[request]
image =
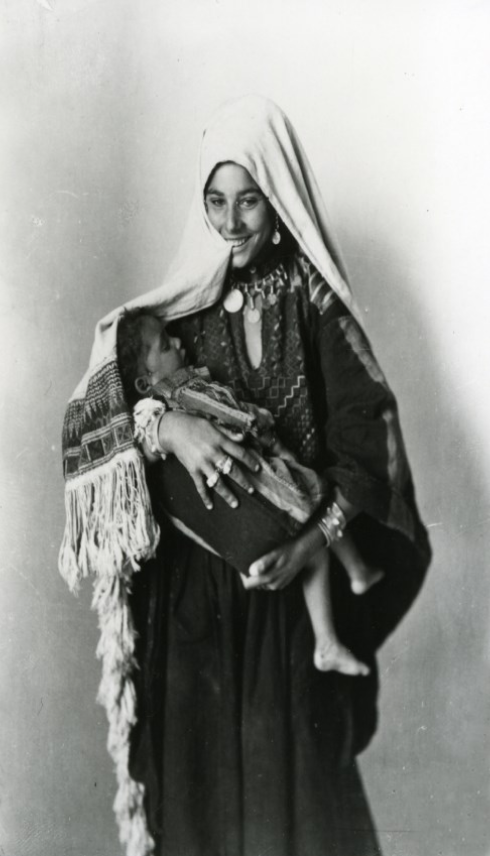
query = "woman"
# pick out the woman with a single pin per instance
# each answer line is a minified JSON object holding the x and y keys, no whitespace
{"x":235,"y":744}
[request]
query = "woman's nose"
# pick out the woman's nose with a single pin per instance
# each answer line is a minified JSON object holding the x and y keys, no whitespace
{"x":232,"y":219}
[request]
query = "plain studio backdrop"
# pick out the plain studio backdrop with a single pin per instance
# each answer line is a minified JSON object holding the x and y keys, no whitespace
{"x":102,"y":106}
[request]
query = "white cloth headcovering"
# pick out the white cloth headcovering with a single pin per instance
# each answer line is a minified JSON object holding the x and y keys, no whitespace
{"x":255,"y":133}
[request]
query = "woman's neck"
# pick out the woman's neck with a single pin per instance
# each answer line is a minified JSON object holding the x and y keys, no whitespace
{"x":263,"y":265}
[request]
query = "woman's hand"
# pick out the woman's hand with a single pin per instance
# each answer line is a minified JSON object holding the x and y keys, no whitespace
{"x":202,"y":449}
{"x":278,"y":568}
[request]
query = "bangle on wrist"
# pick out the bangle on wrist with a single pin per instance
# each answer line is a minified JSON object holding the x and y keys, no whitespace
{"x":147,"y":415}
{"x":153,"y":436}
{"x":332,"y":524}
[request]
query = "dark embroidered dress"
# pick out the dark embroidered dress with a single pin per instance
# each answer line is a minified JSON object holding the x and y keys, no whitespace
{"x":244,"y":748}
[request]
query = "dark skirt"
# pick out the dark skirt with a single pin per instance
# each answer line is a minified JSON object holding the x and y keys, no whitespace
{"x":243,"y":746}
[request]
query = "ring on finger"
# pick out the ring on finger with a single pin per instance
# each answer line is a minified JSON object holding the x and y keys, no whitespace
{"x":214,"y":478}
{"x":224,"y":466}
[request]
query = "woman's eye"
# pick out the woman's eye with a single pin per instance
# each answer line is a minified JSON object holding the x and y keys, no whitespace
{"x":215,"y":201}
{"x":249,"y":201}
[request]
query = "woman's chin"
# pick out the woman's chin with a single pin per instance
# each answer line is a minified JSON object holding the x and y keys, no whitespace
{"x":242,"y":257}
{"x":249,"y":255}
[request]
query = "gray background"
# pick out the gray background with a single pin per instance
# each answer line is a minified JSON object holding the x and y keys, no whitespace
{"x":102,"y":102}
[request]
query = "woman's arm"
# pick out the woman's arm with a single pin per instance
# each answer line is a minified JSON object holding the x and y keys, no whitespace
{"x":278,"y":568}
{"x":357,"y":401}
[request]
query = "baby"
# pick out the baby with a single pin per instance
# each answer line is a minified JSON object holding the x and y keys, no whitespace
{"x":152,"y":364}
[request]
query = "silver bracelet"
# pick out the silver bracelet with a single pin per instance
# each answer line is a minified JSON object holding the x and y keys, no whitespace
{"x":332,"y":524}
{"x":147,"y":416}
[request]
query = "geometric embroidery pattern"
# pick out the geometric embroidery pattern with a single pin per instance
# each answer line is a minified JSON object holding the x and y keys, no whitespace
{"x":216,"y":339}
{"x":99,"y":426}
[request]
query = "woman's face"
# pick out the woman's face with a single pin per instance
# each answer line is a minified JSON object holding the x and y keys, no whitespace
{"x":239,"y":211}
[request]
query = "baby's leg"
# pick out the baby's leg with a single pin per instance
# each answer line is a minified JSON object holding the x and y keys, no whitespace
{"x":330,"y":654}
{"x":361,"y":576}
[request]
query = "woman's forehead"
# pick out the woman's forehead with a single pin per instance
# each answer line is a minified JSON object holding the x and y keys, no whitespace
{"x":230,"y":177}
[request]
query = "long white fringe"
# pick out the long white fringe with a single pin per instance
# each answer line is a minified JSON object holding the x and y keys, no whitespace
{"x":109,"y":520}
{"x":117,"y":695}
{"x":109,"y":530}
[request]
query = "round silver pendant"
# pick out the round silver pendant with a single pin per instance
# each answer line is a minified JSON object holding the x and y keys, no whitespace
{"x":252,"y":315}
{"x":272,"y":299}
{"x":233,"y":301}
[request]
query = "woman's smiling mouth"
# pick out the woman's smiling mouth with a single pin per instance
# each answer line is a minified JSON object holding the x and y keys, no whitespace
{"x":236,"y":244}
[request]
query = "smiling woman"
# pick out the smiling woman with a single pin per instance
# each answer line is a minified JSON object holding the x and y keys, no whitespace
{"x":239,"y":211}
{"x":242,"y":746}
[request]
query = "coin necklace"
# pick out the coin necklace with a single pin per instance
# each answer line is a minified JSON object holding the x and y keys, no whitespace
{"x":237,"y":299}
{"x":251,"y":312}
{"x":233,"y":301}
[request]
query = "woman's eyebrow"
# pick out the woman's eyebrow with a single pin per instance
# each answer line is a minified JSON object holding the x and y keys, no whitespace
{"x":240,"y":193}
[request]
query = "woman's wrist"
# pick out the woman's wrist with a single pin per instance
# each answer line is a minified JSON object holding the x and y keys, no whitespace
{"x":332,"y":523}
{"x":147,"y":415}
{"x":166,"y":431}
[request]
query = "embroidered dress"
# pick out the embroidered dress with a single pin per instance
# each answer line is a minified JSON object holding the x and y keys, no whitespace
{"x":262,"y":761}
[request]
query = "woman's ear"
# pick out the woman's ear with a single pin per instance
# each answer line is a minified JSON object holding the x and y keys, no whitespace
{"x":142,"y":385}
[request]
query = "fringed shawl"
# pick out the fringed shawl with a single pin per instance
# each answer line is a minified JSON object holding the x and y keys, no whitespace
{"x":110,"y":528}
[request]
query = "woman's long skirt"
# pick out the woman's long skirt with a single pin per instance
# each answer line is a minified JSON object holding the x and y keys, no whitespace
{"x":245,"y":749}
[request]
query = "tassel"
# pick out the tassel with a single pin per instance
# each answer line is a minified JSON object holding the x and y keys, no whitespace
{"x":108,"y":520}
{"x":110,"y":529}
{"x":117,"y":695}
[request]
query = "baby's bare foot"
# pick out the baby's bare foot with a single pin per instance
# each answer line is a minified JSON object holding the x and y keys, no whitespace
{"x":331,"y":656}
{"x":362,"y":584}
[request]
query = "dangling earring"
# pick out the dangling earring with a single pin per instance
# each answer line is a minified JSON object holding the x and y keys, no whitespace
{"x":276,"y":235}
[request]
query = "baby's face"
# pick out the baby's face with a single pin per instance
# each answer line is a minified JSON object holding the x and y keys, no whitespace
{"x":162,"y":355}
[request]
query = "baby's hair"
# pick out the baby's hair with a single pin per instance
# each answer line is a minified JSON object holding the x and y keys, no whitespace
{"x":129,"y":349}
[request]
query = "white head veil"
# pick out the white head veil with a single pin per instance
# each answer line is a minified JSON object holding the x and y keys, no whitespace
{"x":254,"y":133}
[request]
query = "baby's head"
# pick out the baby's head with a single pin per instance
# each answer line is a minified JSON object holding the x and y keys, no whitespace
{"x":145,"y":351}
